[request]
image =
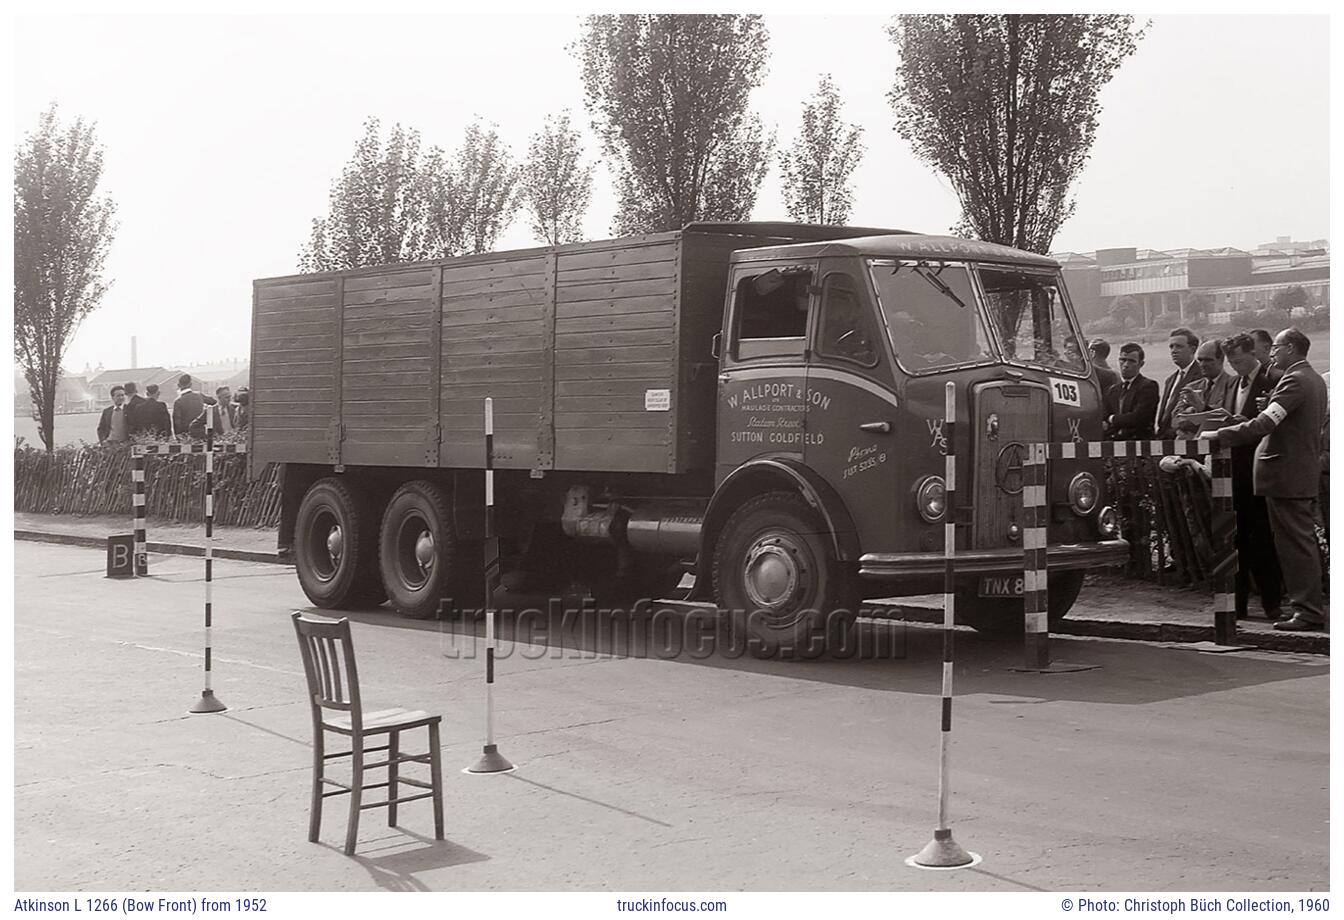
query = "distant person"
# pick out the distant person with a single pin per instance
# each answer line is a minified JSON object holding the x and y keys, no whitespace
{"x":157,"y":421}
{"x":1263,"y":342}
{"x":1182,"y":344}
{"x":1256,"y":555}
{"x":1287,"y":473}
{"x":243,"y":409}
{"x":1132,"y":403}
{"x":112,"y":425}
{"x":1208,"y":398}
{"x":134,"y":409}
{"x":189,"y":409}
{"x":1099,"y":350}
{"x":224,"y":410}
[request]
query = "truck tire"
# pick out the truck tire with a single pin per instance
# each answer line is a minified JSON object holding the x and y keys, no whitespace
{"x":417,"y":550}
{"x":1004,"y":617}
{"x":778,"y":583}
{"x":335,"y":547}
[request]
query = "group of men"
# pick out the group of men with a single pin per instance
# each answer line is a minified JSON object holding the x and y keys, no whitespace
{"x":132,"y":414}
{"x":1272,"y":411}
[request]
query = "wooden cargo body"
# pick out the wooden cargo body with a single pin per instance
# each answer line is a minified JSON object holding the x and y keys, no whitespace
{"x":597,"y":356}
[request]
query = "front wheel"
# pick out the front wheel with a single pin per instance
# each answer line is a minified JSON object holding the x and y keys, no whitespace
{"x":778,"y":581}
{"x":1004,"y":617}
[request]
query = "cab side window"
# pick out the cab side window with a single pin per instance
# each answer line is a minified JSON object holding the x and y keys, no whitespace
{"x":847,"y":330}
{"x":770,"y":311}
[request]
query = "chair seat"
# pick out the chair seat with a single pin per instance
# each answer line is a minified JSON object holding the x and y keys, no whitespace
{"x":383,"y":720}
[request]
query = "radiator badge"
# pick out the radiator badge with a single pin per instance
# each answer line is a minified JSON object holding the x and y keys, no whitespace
{"x":1008,"y":468}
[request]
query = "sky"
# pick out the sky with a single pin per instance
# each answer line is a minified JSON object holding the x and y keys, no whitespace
{"x":223,"y":134}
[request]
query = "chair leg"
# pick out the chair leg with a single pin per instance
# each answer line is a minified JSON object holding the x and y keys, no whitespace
{"x":315,"y":808}
{"x":393,"y":751}
{"x":436,"y":779}
{"x":356,"y":793}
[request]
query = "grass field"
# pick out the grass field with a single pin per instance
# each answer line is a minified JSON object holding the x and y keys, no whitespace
{"x":70,"y":429}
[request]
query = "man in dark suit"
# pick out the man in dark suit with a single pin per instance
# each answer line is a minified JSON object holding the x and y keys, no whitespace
{"x":1131,"y":404}
{"x":1100,"y":350}
{"x":1287,"y":473}
{"x":155,"y":414}
{"x":1255,"y":539}
{"x":134,"y":409}
{"x":1263,"y":341}
{"x":1182,"y":344}
{"x":189,"y":409}
{"x":112,"y":426}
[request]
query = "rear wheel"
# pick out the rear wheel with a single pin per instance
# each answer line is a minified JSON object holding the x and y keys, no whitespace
{"x":419,"y":557}
{"x":1004,"y":617}
{"x":335,"y":550}
{"x":778,"y":581}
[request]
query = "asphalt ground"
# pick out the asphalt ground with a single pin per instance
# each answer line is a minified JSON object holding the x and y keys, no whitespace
{"x":1162,"y":769}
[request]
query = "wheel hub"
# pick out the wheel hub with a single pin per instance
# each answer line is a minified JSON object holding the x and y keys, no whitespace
{"x":424,"y":551}
{"x":335,"y":544}
{"x":772,"y":574}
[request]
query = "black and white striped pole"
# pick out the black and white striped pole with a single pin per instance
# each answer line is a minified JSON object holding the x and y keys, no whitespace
{"x":491,"y":760}
{"x":208,"y":701}
{"x":1035,"y":575}
{"x":139,"y":554}
{"x":1224,"y":536}
{"x":942,"y":852}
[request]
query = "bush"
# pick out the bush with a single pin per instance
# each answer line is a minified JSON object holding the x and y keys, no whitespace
{"x":1108,"y":326}
{"x":1273,"y":319}
{"x":1166,"y":321}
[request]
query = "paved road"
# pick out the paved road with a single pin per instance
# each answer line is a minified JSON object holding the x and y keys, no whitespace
{"x":1164,"y":769}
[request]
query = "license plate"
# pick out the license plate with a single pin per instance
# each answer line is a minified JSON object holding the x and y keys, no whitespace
{"x":1001,"y":586}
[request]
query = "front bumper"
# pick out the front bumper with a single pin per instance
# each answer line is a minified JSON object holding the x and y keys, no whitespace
{"x":1059,"y":556}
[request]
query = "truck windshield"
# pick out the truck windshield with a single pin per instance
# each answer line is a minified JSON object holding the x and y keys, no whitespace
{"x":1027,"y":312}
{"x":930,"y":310}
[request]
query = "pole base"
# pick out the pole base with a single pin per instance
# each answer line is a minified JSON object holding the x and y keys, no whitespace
{"x":491,"y":762}
{"x":208,"y":703}
{"x":942,"y":852}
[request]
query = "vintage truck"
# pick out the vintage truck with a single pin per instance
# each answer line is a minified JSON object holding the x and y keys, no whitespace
{"x":758,"y":404}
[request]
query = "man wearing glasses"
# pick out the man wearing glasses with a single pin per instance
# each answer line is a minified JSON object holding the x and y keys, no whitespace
{"x":1287,"y":473}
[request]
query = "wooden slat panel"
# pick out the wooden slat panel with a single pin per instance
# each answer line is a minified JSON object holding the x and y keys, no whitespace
{"x":402,"y":415}
{"x":299,"y":354}
{"x":606,"y":456}
{"x":512,"y":296}
{"x":626,"y":339}
{"x":493,"y":330}
{"x":416,"y":339}
{"x":388,"y":352}
{"x":401,"y":313}
{"x":384,"y":454}
{"x":615,"y":322}
{"x":510,"y":344}
{"x":532,"y":265}
{"x":419,"y":392}
{"x":268,"y":291}
{"x":628,"y":399}
{"x":365,"y":324}
{"x":640,"y":272}
{"x":475,"y":421}
{"x":405,"y":365}
{"x":273,"y":326}
{"x":620,"y":422}
{"x":478,"y":391}
{"x":275,"y":342}
{"x":456,"y":290}
{"x":609,"y":388}
{"x":660,"y":251}
{"x":463,"y":362}
{"x":636,"y":354}
{"x":637,"y":371}
{"x":419,"y":277}
{"x":453,"y":376}
{"x":305,"y":314}
{"x":292,"y":422}
{"x":650,"y":304}
{"x":293,"y":378}
{"x":504,"y":405}
{"x":367,"y":300}
{"x":298,"y":395}
{"x":613,"y":290}
{"x":382,"y":434}
{"x":487,"y":315}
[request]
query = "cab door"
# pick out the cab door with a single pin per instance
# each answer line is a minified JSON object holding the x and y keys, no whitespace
{"x":851,"y":422}
{"x":762,"y":384}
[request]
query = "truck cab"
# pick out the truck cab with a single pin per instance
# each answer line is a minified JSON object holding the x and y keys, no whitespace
{"x":833,"y":360}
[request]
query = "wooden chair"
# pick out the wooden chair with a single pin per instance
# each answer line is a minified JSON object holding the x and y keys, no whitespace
{"x":333,"y":685}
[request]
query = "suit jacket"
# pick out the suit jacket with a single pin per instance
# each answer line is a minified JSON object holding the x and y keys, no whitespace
{"x":1205,"y":395}
{"x":1176,"y":381}
{"x":1106,"y":378}
{"x":189,"y":414}
{"x":135,"y":423}
{"x":155,"y":419}
{"x":1243,"y":457}
{"x":1133,"y":409}
{"x":1288,"y":459}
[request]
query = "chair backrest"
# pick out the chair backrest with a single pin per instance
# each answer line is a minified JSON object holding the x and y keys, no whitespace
{"x":329,"y":664}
